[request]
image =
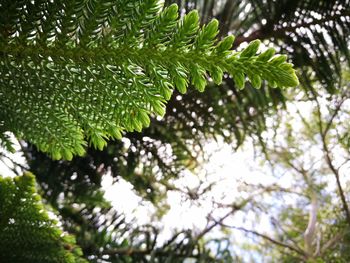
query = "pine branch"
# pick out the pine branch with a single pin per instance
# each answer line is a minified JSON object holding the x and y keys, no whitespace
{"x":92,"y":69}
{"x":27,"y":234}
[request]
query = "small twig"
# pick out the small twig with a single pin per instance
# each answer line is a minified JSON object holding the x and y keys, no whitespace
{"x":274,"y":241}
{"x":24,"y":168}
{"x":335,"y":171}
{"x":330,"y":243}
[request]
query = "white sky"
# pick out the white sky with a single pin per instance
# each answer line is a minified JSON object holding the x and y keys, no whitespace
{"x":225,"y":168}
{"x":5,"y":163}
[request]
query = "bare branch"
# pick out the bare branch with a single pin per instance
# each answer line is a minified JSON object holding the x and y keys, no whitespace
{"x":330,"y":243}
{"x":323,"y":132}
{"x":274,"y":241}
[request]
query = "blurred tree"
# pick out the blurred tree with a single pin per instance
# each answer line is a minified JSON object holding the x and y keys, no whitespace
{"x":27,"y":233}
{"x":310,"y":221}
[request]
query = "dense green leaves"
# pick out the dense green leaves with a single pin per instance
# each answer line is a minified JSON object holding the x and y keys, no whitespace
{"x":26,"y":227}
{"x":91,"y":70}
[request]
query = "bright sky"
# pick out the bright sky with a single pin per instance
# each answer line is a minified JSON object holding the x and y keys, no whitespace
{"x":5,"y":163}
{"x":225,"y":168}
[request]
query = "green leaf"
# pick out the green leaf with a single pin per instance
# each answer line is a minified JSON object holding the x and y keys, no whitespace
{"x":98,"y":141}
{"x":225,"y":45}
{"x":190,"y":21}
{"x":256,"y":81}
{"x":211,"y":30}
{"x":217,"y":74}
{"x":265,"y":56}
{"x":145,"y":120}
{"x":239,"y":79}
{"x":79,"y":149}
{"x":251,"y":49}
{"x":181,"y":84}
{"x":158,"y":107}
{"x":56,"y":154}
{"x":67,"y":154}
{"x":278,"y":60}
{"x":171,"y":12}
{"x":198,"y":78}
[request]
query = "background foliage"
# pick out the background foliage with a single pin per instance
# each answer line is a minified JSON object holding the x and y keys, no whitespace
{"x":27,"y":232}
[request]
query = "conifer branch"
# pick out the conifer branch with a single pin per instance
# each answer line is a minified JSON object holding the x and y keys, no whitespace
{"x":85,"y":71}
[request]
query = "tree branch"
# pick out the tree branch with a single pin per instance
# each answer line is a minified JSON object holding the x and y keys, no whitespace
{"x":323,"y":132}
{"x":274,"y":241}
{"x":330,"y":243}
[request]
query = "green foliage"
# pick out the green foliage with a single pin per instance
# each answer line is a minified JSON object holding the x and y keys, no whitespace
{"x":27,"y":234}
{"x":78,"y":71}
